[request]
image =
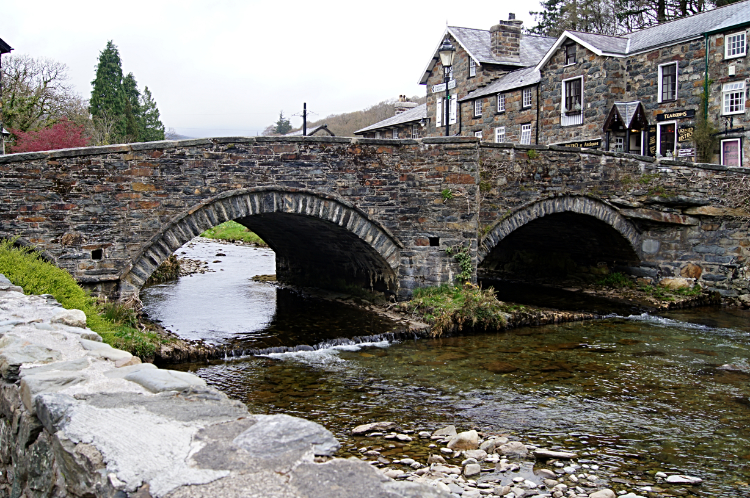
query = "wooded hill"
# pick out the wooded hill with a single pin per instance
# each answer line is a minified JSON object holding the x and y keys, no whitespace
{"x":344,"y":125}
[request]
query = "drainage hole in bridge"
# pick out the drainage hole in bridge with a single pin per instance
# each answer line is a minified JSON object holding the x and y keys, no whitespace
{"x":434,"y":241}
{"x":97,"y":254}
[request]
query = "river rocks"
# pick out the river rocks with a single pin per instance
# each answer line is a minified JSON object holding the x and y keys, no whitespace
{"x":472,"y":469}
{"x":563,"y":455}
{"x":449,"y":431}
{"x":103,"y":350}
{"x":691,"y":270}
{"x":435,"y":459}
{"x":468,"y":440}
{"x":158,"y":380}
{"x":513,"y":448}
{"x":683,"y":479}
{"x":676,"y":283}
{"x":604,"y":493}
{"x":375,"y":426}
{"x":71,"y":318}
{"x":478,"y":455}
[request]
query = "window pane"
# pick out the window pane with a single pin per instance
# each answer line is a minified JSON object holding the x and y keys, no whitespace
{"x":668,"y":82}
{"x":526,"y":134}
{"x":666,"y":139}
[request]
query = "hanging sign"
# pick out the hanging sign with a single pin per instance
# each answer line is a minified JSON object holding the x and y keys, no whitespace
{"x":588,"y":144}
{"x":685,"y":133}
{"x":685,"y":152}
{"x":652,"y":140}
{"x":668,"y":116}
{"x":441,"y":87}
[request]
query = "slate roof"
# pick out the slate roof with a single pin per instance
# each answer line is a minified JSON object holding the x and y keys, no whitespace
{"x":414,"y":114}
{"x":477,"y":43}
{"x":4,"y":47}
{"x":311,"y":131}
{"x":515,"y":79}
{"x":676,"y":31}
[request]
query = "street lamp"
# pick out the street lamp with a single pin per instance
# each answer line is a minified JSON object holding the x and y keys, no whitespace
{"x":447,"y":51}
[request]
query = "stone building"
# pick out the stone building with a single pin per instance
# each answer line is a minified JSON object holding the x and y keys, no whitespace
{"x":638,"y":93}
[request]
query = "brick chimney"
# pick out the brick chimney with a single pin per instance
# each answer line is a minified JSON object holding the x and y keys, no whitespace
{"x":403,"y":104}
{"x":505,"y":39}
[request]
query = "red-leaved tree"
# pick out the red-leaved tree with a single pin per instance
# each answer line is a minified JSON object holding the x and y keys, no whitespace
{"x":62,"y":135}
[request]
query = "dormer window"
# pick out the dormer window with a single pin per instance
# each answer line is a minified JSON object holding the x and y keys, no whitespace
{"x":472,"y":68}
{"x":570,"y":54}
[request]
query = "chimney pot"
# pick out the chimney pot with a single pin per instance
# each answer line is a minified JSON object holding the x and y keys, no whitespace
{"x":511,"y":16}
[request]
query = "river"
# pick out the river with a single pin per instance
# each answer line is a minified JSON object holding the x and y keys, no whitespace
{"x":634,"y":393}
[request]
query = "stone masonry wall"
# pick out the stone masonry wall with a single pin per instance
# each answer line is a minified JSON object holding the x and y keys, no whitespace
{"x":514,"y":116}
{"x":96,"y":210}
{"x":693,"y":220}
{"x":81,"y":419}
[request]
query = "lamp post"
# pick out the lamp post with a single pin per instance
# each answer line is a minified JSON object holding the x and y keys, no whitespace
{"x":447,"y":51}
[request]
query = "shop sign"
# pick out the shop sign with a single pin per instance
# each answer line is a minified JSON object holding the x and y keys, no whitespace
{"x":685,"y":152}
{"x":668,"y":116}
{"x":441,"y":87}
{"x":685,"y":133}
{"x":652,"y":140}
{"x":588,"y":144}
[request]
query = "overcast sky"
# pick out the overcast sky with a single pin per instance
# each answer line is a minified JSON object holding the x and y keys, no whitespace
{"x":226,"y":68}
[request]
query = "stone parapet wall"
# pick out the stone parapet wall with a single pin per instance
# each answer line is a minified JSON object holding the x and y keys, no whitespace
{"x":692,"y":220}
{"x":81,"y":419}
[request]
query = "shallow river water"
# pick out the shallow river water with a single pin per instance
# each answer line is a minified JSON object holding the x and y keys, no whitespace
{"x":634,"y":393}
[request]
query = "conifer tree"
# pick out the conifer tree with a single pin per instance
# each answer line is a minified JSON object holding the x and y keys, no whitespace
{"x":107,"y":96}
{"x":134,"y":129}
{"x":153,"y":129}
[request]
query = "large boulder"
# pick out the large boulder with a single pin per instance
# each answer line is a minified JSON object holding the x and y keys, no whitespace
{"x":468,"y":440}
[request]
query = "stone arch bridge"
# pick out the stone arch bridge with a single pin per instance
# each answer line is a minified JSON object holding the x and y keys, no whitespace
{"x":377,"y":213}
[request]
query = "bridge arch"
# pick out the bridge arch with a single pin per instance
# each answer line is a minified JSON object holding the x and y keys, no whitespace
{"x":588,"y":230}
{"x":318,"y":238}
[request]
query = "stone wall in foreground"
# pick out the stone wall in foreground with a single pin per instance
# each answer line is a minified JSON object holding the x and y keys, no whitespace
{"x":80,"y":419}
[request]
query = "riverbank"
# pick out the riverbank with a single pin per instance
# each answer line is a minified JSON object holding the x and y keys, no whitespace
{"x":80,"y":418}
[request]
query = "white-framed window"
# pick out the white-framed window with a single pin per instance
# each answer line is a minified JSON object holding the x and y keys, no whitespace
{"x":500,"y":134}
{"x":395,"y":133}
{"x":472,"y":68}
{"x":500,"y":102}
{"x":666,"y":138}
{"x":527,"y":97}
{"x":618,"y":144}
{"x":731,"y":152}
{"x":733,"y":98}
{"x":478,"y":134}
{"x":414,"y":131}
{"x":526,"y":134}
{"x":735,"y":45}
{"x":477,"y":108}
{"x":439,"y":111}
{"x":570,"y":54}
{"x":668,"y":82}
{"x":378,"y":135}
{"x":572,"y":99}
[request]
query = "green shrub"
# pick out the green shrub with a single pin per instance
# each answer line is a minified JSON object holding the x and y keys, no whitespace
{"x":616,"y":280}
{"x":447,"y":307}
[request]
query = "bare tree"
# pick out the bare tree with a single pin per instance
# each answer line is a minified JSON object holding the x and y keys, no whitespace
{"x":36,"y":94}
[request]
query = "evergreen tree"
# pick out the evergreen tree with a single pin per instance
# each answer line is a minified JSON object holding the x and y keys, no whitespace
{"x":282,"y":125}
{"x":107,"y":96}
{"x":153,"y":129}
{"x":134,"y":126}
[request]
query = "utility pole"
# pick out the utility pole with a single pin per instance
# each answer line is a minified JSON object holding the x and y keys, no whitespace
{"x":304,"y":119}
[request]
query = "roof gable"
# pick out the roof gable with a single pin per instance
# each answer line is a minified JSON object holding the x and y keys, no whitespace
{"x":413,"y":114}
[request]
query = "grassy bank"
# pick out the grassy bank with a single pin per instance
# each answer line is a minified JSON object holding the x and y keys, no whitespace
{"x":117,"y":324}
{"x":449,"y":307}
{"x":232,"y":231}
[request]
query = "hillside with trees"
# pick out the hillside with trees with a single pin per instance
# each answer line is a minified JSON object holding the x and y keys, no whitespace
{"x":345,"y":124}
